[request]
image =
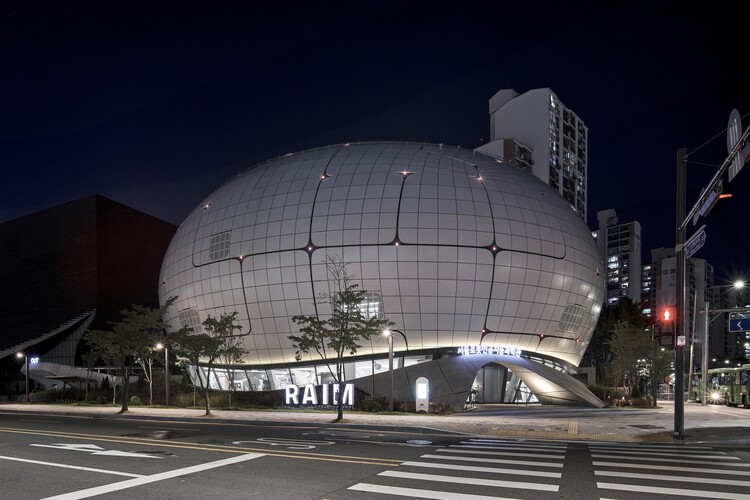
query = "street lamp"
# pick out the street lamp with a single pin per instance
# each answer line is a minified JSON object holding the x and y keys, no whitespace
{"x":25,"y":357}
{"x":737,"y":285}
{"x":161,"y":346}
{"x":387,"y":333}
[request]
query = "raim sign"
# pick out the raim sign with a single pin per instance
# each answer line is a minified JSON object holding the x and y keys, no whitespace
{"x":328,"y":394}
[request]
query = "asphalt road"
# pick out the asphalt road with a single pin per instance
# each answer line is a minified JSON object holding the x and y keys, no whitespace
{"x":69,"y":457}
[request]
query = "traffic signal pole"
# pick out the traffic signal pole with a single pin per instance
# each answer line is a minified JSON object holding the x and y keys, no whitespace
{"x":681,"y":323}
{"x":681,"y":257}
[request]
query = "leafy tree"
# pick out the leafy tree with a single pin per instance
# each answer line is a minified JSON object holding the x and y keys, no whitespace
{"x":628,"y":344}
{"x":128,"y":341}
{"x":90,"y":359}
{"x":219,"y":338}
{"x":340,"y":334}
{"x":232,"y":354}
{"x":599,"y":353}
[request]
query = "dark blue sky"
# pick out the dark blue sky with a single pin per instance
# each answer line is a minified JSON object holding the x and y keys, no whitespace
{"x":154,"y":104}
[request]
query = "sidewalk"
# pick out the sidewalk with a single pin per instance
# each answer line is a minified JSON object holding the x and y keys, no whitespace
{"x":702,"y":424}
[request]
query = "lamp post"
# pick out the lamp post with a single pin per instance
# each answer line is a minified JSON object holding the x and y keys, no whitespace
{"x":25,"y":357}
{"x":737,"y":285}
{"x":387,"y":333}
{"x":161,"y":346}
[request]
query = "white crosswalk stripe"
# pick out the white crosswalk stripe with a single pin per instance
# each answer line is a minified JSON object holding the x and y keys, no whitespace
{"x":475,"y":469}
{"x":674,"y":470}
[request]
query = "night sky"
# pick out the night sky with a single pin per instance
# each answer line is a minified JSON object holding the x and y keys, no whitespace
{"x":155,"y":104}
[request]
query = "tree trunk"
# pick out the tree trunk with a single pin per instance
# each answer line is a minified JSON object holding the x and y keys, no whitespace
{"x":125,"y":389}
{"x":340,"y":402}
{"x":205,"y":389}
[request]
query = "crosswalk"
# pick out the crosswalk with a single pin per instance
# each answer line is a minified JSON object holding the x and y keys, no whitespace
{"x":476,"y":469}
{"x":669,"y":470}
{"x":507,"y":469}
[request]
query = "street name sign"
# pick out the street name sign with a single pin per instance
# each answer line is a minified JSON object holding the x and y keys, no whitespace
{"x":739,"y":321}
{"x":734,"y":131}
{"x":695,"y":242}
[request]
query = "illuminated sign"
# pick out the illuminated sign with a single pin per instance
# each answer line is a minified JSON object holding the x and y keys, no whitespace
{"x":489,"y":349}
{"x":329,"y":394}
{"x":33,"y":361}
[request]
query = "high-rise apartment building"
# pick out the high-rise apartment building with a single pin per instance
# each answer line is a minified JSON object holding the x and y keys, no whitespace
{"x":538,"y":133}
{"x":620,"y":247}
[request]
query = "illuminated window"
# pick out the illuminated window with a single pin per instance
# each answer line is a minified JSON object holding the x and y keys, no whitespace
{"x":372,"y":305}
{"x":572,"y":318}
{"x":190,"y":317}
{"x":219,"y":247}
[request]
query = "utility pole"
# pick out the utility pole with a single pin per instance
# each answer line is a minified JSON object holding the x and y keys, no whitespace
{"x":682,"y":302}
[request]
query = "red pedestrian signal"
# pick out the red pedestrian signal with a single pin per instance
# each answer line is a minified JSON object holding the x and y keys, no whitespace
{"x":666,"y":318}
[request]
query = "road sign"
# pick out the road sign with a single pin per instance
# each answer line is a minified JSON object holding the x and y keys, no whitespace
{"x":739,"y":322}
{"x":695,"y":242}
{"x":734,"y":131}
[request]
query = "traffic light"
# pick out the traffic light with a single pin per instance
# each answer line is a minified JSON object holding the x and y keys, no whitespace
{"x":666,"y":319}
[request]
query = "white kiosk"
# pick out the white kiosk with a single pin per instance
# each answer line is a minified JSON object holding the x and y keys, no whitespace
{"x":423,"y":395}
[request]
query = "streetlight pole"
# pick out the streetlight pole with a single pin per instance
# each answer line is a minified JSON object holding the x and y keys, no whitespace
{"x":390,"y":367}
{"x":166,"y":372}
{"x":388,"y":333}
{"x":26,"y":366}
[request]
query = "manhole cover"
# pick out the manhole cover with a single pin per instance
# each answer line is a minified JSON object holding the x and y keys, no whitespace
{"x":647,"y":426}
{"x":419,"y":442}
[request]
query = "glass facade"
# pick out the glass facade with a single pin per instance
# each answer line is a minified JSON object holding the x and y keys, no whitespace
{"x":279,"y":378}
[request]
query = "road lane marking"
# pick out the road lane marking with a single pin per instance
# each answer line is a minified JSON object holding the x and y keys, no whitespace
{"x":292,"y":444}
{"x":674,"y":468}
{"x":417,"y":493}
{"x":494,"y":460}
{"x":131,"y":483}
{"x":389,"y":462}
{"x":455,"y":449}
{"x":65,"y":466}
{"x":718,"y":495}
{"x":495,"y":483}
{"x":476,"y":468}
{"x":95,"y":450}
{"x":667,"y":477}
{"x":682,"y":460}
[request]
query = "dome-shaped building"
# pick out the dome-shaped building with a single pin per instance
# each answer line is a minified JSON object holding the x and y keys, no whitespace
{"x":474,"y":260}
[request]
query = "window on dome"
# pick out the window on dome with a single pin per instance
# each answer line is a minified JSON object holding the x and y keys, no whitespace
{"x":219,"y":246}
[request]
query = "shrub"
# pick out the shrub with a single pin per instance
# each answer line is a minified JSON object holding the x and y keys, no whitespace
{"x":54,"y":396}
{"x":135,"y":400}
{"x":184,"y":399}
{"x":406,"y":406}
{"x":373,"y":403}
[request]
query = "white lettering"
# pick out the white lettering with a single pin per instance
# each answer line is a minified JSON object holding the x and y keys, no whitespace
{"x":348,"y":396}
{"x":292,"y":392}
{"x":330,"y":393}
{"x":310,"y":396}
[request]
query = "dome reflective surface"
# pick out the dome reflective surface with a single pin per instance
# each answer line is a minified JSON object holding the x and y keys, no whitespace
{"x":455,"y":247}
